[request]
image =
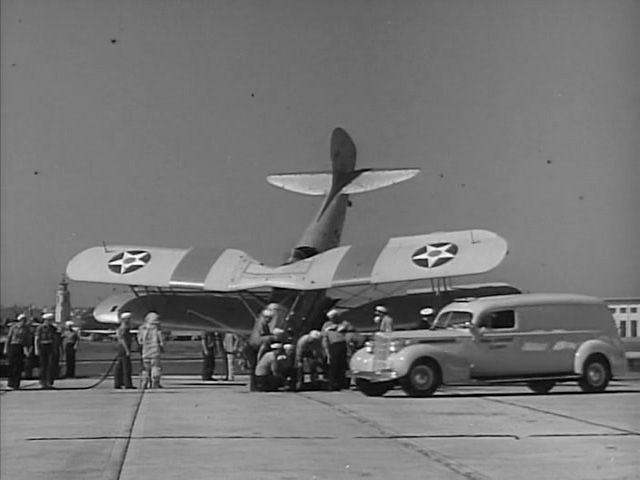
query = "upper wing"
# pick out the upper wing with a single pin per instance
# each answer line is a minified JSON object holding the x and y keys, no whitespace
{"x":419,"y":257}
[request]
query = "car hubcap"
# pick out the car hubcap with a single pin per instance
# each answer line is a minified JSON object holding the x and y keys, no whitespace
{"x":595,"y":374}
{"x":422,"y":378}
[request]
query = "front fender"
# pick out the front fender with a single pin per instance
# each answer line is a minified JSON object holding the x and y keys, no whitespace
{"x":453,"y":368}
{"x":614,"y":354}
{"x":361,"y":361}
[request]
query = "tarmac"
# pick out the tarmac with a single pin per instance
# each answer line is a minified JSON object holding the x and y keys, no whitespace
{"x":201,"y":430}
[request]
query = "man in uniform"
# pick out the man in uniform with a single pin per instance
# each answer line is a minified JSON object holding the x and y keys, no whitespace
{"x":31,"y":360}
{"x":208,"y":355}
{"x":382,"y":319}
{"x":335,"y":344}
{"x":309,"y":356}
{"x":122,"y":375}
{"x":150,"y":339}
{"x":57,"y":352}
{"x":426,"y":319}
{"x":45,"y":345}
{"x":16,"y":346}
{"x":70,"y":341}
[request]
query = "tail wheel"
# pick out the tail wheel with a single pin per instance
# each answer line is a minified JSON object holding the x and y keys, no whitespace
{"x":423,"y":378}
{"x":372,"y":389}
{"x":541,"y":386}
{"x":596,"y":375}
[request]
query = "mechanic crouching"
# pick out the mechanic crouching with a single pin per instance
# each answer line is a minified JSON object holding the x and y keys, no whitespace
{"x":309,"y":358}
{"x":270,"y":370}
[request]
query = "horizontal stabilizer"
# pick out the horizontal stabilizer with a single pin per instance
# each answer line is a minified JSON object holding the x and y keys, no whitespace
{"x":320,"y":183}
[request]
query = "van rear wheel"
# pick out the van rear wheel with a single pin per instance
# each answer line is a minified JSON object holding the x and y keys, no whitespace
{"x":423,"y":378}
{"x":541,"y":386}
{"x":595,"y":375}
{"x":372,"y":389}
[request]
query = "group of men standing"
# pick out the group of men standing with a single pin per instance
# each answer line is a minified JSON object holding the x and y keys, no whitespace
{"x":213,"y":342}
{"x":26,"y":341}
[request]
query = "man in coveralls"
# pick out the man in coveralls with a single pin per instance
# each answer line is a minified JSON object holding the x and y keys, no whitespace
{"x":150,"y":339}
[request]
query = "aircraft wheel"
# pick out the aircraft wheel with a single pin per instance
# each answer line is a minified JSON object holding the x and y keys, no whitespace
{"x":596,"y":375}
{"x":372,"y":389}
{"x":423,"y":378}
{"x":541,"y":386}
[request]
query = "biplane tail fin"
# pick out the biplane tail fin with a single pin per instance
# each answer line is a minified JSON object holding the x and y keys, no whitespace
{"x":343,"y":177}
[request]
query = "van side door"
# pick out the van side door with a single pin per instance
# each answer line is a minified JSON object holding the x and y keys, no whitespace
{"x":496,"y":345}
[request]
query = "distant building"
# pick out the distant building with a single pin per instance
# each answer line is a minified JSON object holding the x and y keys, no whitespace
{"x":63,"y":302}
{"x":626,"y":313}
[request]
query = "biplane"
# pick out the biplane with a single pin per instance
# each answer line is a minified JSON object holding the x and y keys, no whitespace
{"x":224,"y":289}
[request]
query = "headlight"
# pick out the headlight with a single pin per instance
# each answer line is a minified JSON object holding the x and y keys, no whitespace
{"x":396,"y":346}
{"x":368,"y":347}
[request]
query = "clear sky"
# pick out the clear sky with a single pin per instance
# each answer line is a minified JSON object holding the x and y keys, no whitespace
{"x":155,"y":123}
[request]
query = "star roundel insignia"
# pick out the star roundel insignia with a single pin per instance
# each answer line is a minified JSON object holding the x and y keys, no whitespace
{"x":435,"y":254}
{"x":129,"y":261}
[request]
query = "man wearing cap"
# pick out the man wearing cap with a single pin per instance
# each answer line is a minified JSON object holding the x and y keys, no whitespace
{"x":150,"y":339}
{"x":269,"y":373}
{"x":382,"y":319}
{"x":309,"y":356}
{"x":70,"y":341}
{"x":15,"y":348}
{"x":334,"y":339}
{"x":44,"y":346}
{"x":122,"y":375}
{"x":426,"y":319}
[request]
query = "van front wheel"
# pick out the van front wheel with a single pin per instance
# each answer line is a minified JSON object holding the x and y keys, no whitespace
{"x":423,"y":378}
{"x":372,"y":389}
{"x":595,"y":375}
{"x":541,"y":386}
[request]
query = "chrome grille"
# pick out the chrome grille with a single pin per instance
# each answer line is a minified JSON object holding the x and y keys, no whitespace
{"x":380,"y":353}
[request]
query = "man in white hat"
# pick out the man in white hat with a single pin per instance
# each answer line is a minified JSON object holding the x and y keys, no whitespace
{"x":45,"y":346}
{"x":70,"y":341}
{"x":426,"y":318}
{"x":152,"y":343}
{"x":122,"y":374}
{"x":15,"y":348}
{"x":382,"y":319}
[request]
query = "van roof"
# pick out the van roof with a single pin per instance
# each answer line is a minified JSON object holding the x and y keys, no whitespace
{"x":523,"y":299}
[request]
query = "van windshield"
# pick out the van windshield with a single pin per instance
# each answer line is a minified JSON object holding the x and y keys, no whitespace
{"x":452,"y":319}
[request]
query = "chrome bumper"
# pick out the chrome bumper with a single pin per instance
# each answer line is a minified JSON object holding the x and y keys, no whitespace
{"x":375,"y":377}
